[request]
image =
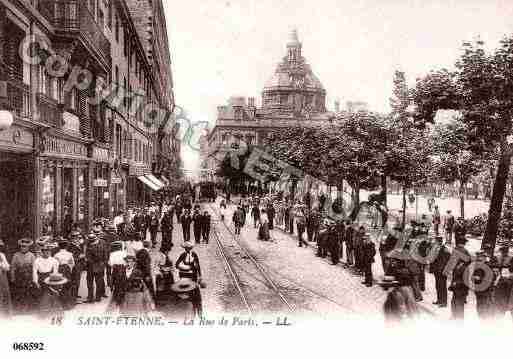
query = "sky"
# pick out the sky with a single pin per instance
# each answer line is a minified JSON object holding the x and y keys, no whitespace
{"x":230,"y":48}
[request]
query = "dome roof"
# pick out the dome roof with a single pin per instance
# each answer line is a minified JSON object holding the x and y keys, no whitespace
{"x":293,"y":72}
{"x":286,"y":79}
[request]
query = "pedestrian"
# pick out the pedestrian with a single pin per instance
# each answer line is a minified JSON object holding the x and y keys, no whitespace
{"x":167,"y":232}
{"x":66,"y":265}
{"x":153,"y":226}
{"x":188,"y":266}
{"x":358,"y":245}
{"x":436,"y":221}
{"x":255,"y":213}
{"x":206,"y":222}
{"x":143,"y":260}
{"x":196,"y":227}
{"x":348,"y":237}
{"x":437,"y":268}
{"x":483,"y":290}
{"x":135,"y":298}
{"x":300,"y":220}
{"x":460,"y":228}
{"x":222,"y":209}
{"x":186,"y":221}
{"x":238,"y":219}
{"x":504,"y":288}
{"x":399,"y":306}
{"x":271,"y":213}
{"x":368,"y":254}
{"x":6,"y":309}
{"x":458,"y":286}
{"x":448,"y":227}
{"x":22,"y":262}
{"x":178,"y":209}
{"x":291,"y":219}
{"x":96,"y":261}
{"x":286,"y":216}
{"x":43,"y":267}
{"x":115,"y":272}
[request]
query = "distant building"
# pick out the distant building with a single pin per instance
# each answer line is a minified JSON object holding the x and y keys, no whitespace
{"x":292,"y":96}
{"x":356,"y":106}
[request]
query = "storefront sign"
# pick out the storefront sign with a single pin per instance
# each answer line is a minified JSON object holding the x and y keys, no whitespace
{"x":60,"y":146}
{"x":138,"y":170}
{"x":100,"y":182}
{"x":101,"y":154}
{"x":115,"y":180}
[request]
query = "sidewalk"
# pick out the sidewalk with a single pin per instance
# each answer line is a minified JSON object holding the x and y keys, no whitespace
{"x":429,"y":295}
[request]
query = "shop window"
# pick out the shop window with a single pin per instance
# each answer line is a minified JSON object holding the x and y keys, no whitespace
{"x":48,"y":215}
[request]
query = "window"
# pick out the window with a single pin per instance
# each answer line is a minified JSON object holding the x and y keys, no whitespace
{"x":116,"y":32}
{"x":124,"y":91}
{"x":116,"y":75}
{"x":108,"y":7}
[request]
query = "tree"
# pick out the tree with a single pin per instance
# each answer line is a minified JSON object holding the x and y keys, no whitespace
{"x":455,"y":161}
{"x":481,"y":88}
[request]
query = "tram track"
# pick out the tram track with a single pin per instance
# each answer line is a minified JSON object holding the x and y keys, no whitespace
{"x":257,"y":290}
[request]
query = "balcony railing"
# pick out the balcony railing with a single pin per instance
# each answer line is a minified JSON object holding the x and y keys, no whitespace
{"x":74,"y":16}
{"x":18,"y":98}
{"x":49,"y":110}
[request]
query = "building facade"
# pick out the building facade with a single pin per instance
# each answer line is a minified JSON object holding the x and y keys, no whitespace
{"x":72,"y":154}
{"x":292,"y":96}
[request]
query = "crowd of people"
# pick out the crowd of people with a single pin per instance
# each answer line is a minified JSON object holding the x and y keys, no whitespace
{"x":425,"y":248}
{"x":123,"y":255}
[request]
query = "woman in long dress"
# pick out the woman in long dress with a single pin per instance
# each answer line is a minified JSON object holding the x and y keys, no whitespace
{"x":47,"y":267}
{"x":5,"y":292}
{"x":137,"y":299}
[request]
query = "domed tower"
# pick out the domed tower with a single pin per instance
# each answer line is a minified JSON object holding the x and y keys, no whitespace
{"x":293,"y":89}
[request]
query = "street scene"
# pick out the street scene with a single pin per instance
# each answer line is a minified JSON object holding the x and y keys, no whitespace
{"x":170,"y":164}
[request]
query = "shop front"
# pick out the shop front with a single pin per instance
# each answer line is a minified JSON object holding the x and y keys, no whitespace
{"x":17,"y":185}
{"x":140,"y":188}
{"x":102,"y":185}
{"x":63,"y":185}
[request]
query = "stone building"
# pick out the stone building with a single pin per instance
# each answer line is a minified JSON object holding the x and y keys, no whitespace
{"x":292,"y":96}
{"x":73,"y":153}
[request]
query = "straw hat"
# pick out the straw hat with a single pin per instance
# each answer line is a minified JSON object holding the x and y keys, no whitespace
{"x":184,"y":285}
{"x":187,"y":245}
{"x":388,"y":282}
{"x":55,"y":279}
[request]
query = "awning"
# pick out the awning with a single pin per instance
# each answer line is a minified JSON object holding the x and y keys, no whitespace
{"x":155,"y":180}
{"x":148,"y":183}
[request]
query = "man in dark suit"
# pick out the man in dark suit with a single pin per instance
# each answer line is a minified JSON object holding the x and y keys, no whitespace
{"x":368,"y":251}
{"x":206,"y":221}
{"x":197,"y":222}
{"x":96,"y":261}
{"x":437,"y":268}
{"x":271,"y":212}
{"x":167,"y":232}
{"x":186,"y":221}
{"x":76,"y":247}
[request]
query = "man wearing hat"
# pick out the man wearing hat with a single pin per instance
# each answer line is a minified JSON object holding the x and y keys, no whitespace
{"x":196,"y":227}
{"x":449,"y":227}
{"x":504,"y":288}
{"x":437,"y":269}
{"x":368,"y":252}
{"x":186,"y":221}
{"x":483,"y":290}
{"x":206,"y":220}
{"x":458,"y":286}
{"x":21,"y":276}
{"x":188,"y":266}
{"x":76,"y":248}
{"x":110,"y":235}
{"x":96,"y":261}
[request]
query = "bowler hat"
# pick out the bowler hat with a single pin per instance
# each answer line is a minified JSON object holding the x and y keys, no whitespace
{"x":25,"y":242}
{"x":97,"y":230}
{"x":92,"y":236}
{"x":75,"y":234}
